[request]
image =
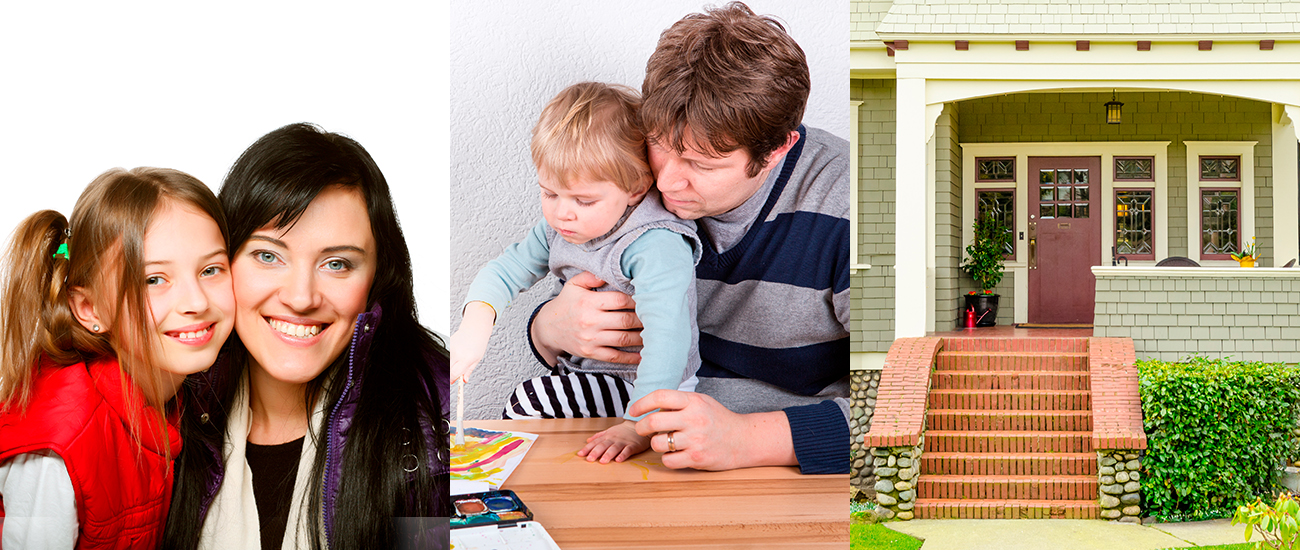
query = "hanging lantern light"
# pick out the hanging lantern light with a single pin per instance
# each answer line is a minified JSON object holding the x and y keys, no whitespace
{"x":1112,"y":109}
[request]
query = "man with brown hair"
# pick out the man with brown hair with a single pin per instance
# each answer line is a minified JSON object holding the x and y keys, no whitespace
{"x":724,"y":96}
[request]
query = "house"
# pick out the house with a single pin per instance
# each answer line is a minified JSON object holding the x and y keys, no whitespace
{"x":1100,"y":132}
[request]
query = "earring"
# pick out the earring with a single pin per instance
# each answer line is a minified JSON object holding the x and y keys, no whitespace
{"x":94,"y":328}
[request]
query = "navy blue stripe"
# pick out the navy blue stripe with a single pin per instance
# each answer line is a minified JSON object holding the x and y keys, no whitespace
{"x":821,"y":438}
{"x":804,"y":370}
{"x":804,"y":249}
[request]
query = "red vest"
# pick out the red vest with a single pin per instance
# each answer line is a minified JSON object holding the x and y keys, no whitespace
{"x":123,"y":484}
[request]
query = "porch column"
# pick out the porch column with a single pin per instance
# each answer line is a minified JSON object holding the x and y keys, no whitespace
{"x":1286,"y":189}
{"x":913,"y":313}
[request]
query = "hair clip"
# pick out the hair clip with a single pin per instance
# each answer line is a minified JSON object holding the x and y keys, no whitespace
{"x":62,"y":251}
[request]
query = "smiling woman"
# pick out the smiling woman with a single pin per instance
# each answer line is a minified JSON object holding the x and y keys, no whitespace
{"x":323,"y":424}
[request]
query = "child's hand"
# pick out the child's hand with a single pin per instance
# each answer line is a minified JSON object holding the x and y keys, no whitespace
{"x":618,"y":443}
{"x":469,"y":342}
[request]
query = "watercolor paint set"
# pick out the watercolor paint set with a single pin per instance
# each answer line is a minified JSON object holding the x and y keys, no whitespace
{"x":496,"y":520}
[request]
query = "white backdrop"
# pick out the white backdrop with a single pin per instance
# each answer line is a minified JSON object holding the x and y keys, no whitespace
{"x":88,"y":86}
{"x":507,"y":60}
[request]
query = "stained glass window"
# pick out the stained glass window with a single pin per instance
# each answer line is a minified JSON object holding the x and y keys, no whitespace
{"x":998,"y":169}
{"x":1002,"y":203}
{"x":1219,"y":222}
{"x":1134,"y":169}
{"x":1133,"y":235}
{"x":1221,"y":168}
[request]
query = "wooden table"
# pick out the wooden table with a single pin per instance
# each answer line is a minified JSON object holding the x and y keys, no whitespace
{"x":642,"y":504}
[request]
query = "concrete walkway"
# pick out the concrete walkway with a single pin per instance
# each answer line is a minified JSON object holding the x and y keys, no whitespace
{"x":1064,"y":534}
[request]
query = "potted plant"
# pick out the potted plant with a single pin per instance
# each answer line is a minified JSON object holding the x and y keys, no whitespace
{"x":1247,"y":255}
{"x":984,"y":264}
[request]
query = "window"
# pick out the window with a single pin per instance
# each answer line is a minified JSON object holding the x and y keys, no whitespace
{"x":1134,"y":169}
{"x":1220,"y":220}
{"x":1002,"y":203}
{"x":1220,"y":199}
{"x":996,"y":169}
{"x":1220,"y":168}
{"x":1134,"y":238}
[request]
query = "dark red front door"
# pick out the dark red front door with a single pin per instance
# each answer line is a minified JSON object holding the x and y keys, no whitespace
{"x":1066,"y":230}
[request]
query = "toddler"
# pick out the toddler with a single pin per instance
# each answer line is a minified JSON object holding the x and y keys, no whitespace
{"x":603,"y":216}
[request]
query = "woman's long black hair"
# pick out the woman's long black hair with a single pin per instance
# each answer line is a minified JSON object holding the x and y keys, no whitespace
{"x":403,"y":388}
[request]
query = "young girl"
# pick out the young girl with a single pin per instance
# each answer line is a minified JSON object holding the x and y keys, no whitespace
{"x":602,"y":216}
{"x":101,"y":318}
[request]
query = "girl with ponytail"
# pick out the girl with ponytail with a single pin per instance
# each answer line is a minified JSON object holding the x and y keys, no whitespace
{"x":102,"y":316}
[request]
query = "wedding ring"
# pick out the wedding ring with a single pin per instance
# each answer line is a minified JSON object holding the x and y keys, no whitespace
{"x":672,"y":447}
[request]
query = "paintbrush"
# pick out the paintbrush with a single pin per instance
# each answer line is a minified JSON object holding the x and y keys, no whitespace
{"x":460,"y":416}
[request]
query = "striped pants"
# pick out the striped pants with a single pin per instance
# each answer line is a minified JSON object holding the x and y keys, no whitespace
{"x":573,"y":395}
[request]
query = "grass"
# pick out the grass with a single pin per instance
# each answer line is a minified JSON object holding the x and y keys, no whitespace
{"x":873,"y":536}
{"x":1241,"y":546}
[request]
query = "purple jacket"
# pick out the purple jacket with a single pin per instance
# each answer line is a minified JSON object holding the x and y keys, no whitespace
{"x":339,"y":419}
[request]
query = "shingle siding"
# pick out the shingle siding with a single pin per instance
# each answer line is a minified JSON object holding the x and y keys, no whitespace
{"x":1170,"y":317}
{"x":873,"y":289}
{"x":1092,"y":17}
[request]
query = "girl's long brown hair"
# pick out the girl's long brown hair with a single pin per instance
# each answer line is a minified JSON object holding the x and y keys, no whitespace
{"x":105,"y":259}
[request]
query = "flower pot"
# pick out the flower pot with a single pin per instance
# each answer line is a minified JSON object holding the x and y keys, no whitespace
{"x":986,"y":308}
{"x":1247,"y":262}
{"x":1289,"y":477}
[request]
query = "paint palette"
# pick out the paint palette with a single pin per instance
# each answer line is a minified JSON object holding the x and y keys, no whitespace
{"x":488,"y":507}
{"x":496,"y":520}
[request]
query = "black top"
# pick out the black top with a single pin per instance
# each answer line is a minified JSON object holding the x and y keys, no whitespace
{"x":275,"y":467}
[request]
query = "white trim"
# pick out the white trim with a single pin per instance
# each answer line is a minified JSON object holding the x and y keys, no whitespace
{"x":1286,"y":185}
{"x":871,"y":360}
{"x":1107,"y":150}
{"x":912,"y":312}
{"x":1198,"y":272}
{"x":854,"y":178}
{"x":1195,"y":149}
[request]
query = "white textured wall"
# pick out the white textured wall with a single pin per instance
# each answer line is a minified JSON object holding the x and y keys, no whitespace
{"x":189,"y":87}
{"x":507,"y":60}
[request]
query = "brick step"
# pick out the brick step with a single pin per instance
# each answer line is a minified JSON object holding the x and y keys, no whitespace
{"x":1009,"y":380}
{"x":1011,"y":361}
{"x":1077,"y":345}
{"x":1009,"y":463}
{"x":932,"y":508}
{"x":1001,"y":487}
{"x":1007,"y":442}
{"x":1024,"y":400}
{"x":1003,"y":420}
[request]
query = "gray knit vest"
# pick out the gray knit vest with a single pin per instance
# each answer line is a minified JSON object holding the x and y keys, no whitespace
{"x":602,"y":257}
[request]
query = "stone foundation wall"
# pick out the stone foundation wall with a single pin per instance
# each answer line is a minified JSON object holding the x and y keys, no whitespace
{"x":1119,"y":473}
{"x":896,"y":471}
{"x":862,"y":405}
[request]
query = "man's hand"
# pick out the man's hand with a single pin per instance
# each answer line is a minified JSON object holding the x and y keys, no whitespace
{"x":707,"y":436}
{"x":618,"y":443}
{"x":587,"y":323}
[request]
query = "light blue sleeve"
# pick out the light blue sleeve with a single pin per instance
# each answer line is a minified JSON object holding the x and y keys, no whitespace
{"x":40,"y":505}
{"x":661,"y":267}
{"x":519,"y":267}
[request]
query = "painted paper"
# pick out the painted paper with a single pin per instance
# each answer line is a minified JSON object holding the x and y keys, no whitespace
{"x":487,"y":456}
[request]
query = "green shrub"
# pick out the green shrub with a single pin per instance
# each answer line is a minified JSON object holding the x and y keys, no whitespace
{"x":1216,"y":433}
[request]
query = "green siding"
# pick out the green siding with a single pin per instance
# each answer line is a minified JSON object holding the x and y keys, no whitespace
{"x":873,"y":289}
{"x":1171,"y":317}
{"x":947,"y":215}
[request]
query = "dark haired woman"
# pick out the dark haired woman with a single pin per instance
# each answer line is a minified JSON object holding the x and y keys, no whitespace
{"x":324,"y":422}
